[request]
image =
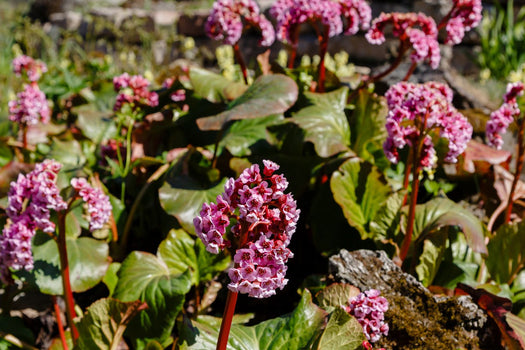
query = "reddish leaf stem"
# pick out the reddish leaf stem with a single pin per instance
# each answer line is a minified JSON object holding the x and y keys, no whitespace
{"x":227,"y":318}
{"x":238,"y":57}
{"x":293,"y":47}
{"x":59,"y":323}
{"x":64,"y":271}
{"x":519,"y":168}
{"x":323,"y":48}
{"x":412,"y":209}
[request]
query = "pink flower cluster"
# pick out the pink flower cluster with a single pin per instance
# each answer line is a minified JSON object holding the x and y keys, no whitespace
{"x":357,"y":13}
{"x":265,"y":219}
{"x":33,"y":69}
{"x":30,"y":200}
{"x":416,"y":111}
{"x":98,"y":205}
{"x":133,"y":90}
{"x":225,"y":21}
{"x":416,"y":29}
{"x":369,"y":308}
{"x":177,"y":95}
{"x":290,"y":14}
{"x":465,"y":15}
{"x":30,"y":106}
{"x":502,"y":117}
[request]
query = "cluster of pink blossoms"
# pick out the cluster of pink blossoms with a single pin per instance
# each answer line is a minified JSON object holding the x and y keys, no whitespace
{"x":33,"y":69}
{"x":465,"y":15}
{"x":98,"y":206}
{"x":133,"y":90}
{"x":265,"y":219}
{"x":417,"y":109}
{"x":501,"y":118}
{"x":177,"y":95}
{"x":30,"y":107}
{"x":292,"y":13}
{"x":369,"y":309}
{"x":415,"y":28}
{"x":31,"y":199}
{"x":225,"y":21}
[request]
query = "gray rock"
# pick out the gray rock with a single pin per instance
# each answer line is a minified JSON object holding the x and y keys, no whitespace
{"x":417,"y":319}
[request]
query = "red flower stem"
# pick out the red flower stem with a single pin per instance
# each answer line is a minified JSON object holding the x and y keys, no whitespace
{"x":293,"y":49}
{"x":323,"y":48}
{"x":24,"y":136}
{"x":64,"y":271}
{"x":59,"y":324}
{"x":410,"y":71}
{"x":445,"y":19}
{"x":402,"y":50}
{"x":519,"y":168}
{"x":227,"y":318}
{"x":240,"y":61}
{"x":412,"y":209}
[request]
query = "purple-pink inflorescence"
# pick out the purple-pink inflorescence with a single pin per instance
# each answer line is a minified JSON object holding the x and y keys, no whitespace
{"x":357,"y":13}
{"x":30,"y":107}
{"x":30,"y":199}
{"x":265,"y":219}
{"x":418,"y":110}
{"x":33,"y":69}
{"x":225,"y":21}
{"x":501,"y":118}
{"x":465,"y":15}
{"x":98,"y":205}
{"x":415,"y":28}
{"x":292,"y":13}
{"x":369,"y":309}
{"x":133,"y":90}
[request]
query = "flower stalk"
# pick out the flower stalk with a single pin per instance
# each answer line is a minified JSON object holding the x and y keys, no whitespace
{"x":229,"y":310}
{"x":519,"y":168}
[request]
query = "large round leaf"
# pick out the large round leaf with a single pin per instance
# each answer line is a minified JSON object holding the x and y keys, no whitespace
{"x":269,"y":94}
{"x":182,"y":197}
{"x":361,"y":191}
{"x":325,"y":122}
{"x":147,"y":278}
{"x":214,"y":87}
{"x":88,"y":262}
{"x":292,"y":332}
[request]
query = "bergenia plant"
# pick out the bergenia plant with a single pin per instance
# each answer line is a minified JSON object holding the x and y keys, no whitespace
{"x":227,"y":21}
{"x":497,"y":125}
{"x":254,"y":220}
{"x":325,"y":17}
{"x":369,"y":309}
{"x":133,"y":96}
{"x":417,"y":34}
{"x":31,"y":200}
{"x":418,"y":116}
{"x":30,"y":106}
{"x":462,"y":17}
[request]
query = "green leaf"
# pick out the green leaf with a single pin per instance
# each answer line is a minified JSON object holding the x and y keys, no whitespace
{"x":510,"y":241}
{"x":183,"y":196}
{"x":430,"y":259}
{"x":68,"y":153}
{"x":336,"y":296}
{"x":147,"y":278}
{"x":361,"y":190}
{"x":518,"y":326}
{"x":179,"y":251}
{"x":325,"y":122}
{"x":440,"y":212}
{"x":88,"y":262}
{"x":268,"y":95}
{"x":213,"y":87}
{"x":95,"y":125}
{"x":245,"y":133}
{"x":111,"y":278}
{"x":5,"y":154}
{"x":386,"y":221}
{"x":367,"y":123}
{"x":104,"y":323}
{"x":343,"y":332}
{"x":291,"y":332}
{"x":14,"y":326}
